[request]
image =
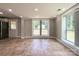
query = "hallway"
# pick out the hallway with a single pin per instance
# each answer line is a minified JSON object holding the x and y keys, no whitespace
{"x":33,"y":47}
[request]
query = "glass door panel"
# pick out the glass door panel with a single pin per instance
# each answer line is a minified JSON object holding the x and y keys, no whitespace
{"x":36,"y":27}
{"x":70,"y":29}
{"x":44,"y":27}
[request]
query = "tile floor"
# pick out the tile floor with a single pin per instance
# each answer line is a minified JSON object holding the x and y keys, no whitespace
{"x":33,"y":47}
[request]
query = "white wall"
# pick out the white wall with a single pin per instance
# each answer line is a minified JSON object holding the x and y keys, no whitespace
{"x":53,"y":29}
{"x":26,"y":28}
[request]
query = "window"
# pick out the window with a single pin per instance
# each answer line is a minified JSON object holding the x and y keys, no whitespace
{"x":68,"y":28}
{"x":13,"y":24}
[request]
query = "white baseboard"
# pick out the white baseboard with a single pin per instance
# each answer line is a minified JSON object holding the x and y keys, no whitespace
{"x":26,"y":37}
{"x":52,"y":37}
{"x":30,"y":37}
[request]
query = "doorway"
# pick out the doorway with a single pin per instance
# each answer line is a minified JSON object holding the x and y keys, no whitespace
{"x":4,"y":29}
{"x":40,"y":28}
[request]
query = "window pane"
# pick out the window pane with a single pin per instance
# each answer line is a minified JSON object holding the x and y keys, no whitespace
{"x":36,"y":27}
{"x":45,"y":27}
{"x":13,"y":25}
{"x":70,"y":28}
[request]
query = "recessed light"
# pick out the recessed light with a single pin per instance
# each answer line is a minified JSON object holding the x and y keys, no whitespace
{"x":1,"y":12}
{"x":58,"y":9}
{"x":10,"y":10}
{"x":36,"y":9}
{"x":21,"y":16}
{"x":63,"y":9}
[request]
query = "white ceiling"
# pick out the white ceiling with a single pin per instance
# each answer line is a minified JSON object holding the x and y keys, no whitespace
{"x":45,"y":10}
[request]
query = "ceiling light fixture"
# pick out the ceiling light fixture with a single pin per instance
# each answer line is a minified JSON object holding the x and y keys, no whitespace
{"x":36,"y":9}
{"x":58,"y":9}
{"x":1,"y":12}
{"x":21,"y":16}
{"x":61,"y":10}
{"x":10,"y":10}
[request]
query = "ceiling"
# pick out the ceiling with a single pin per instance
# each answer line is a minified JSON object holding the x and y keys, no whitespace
{"x":5,"y":13}
{"x":45,"y":10}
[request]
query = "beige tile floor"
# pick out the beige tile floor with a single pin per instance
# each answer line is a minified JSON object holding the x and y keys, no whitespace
{"x":33,"y":47}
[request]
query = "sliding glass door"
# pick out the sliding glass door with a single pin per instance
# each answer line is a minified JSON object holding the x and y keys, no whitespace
{"x":45,"y":28}
{"x":40,"y":28}
{"x":68,"y":28}
{"x":36,"y":27}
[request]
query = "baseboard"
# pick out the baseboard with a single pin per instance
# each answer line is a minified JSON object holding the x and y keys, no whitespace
{"x":27,"y":37}
{"x":31,"y":37}
{"x":51,"y":37}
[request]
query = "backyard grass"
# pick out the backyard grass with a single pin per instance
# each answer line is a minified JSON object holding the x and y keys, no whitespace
{"x":71,"y":36}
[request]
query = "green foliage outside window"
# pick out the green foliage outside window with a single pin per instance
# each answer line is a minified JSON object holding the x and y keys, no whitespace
{"x":70,"y":23}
